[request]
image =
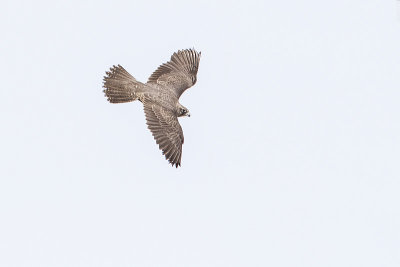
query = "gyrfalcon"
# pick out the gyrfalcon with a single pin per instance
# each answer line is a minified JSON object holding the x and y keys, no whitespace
{"x":160,"y":98}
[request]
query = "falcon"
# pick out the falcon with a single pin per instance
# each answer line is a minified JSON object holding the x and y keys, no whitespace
{"x":160,"y":98}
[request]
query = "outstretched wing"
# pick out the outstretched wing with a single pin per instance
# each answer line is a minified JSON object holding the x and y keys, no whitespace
{"x":179,"y":73}
{"x":166,"y":130}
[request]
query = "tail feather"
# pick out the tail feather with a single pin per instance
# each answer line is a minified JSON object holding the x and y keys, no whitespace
{"x":120,"y":86}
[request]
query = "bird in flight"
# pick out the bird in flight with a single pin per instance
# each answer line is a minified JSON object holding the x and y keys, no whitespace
{"x":160,"y":98}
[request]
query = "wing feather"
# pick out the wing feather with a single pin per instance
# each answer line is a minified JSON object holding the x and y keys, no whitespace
{"x":167,"y":132}
{"x":178,"y":74}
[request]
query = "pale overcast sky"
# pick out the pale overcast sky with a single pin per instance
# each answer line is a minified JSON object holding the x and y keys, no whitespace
{"x":291,"y":155}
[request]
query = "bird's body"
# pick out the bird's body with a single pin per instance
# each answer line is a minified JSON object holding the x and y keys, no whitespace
{"x":160,"y":98}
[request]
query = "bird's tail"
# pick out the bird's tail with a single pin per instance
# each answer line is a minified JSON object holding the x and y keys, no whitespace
{"x":120,"y":86}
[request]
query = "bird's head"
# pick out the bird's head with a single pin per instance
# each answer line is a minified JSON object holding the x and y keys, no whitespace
{"x":182,"y":111}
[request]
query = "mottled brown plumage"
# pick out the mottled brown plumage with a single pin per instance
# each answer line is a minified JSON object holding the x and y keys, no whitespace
{"x":160,"y":98}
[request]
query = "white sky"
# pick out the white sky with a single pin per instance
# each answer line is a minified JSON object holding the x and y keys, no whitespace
{"x":291,"y":156}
